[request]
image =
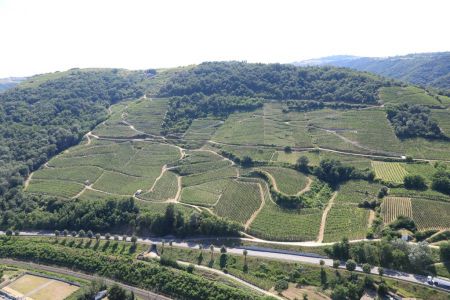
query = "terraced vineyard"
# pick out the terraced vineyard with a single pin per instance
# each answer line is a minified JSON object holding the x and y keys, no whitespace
{"x":389,"y":171}
{"x":205,"y":194}
{"x":393,"y":207}
{"x":114,"y":168}
{"x":355,"y":192}
{"x":430,"y":214}
{"x":239,"y":201}
{"x":275,"y":223}
{"x":288,"y":181}
{"x":346,"y":221}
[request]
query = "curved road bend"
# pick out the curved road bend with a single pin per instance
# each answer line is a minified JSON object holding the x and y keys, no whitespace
{"x":272,"y":254}
{"x":144,"y":294}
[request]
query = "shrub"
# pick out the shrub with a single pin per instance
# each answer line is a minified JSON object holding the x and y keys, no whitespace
{"x":415,"y":182}
{"x":350,"y":265}
{"x":281,"y":285}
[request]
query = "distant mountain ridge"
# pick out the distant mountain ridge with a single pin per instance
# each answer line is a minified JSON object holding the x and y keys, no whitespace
{"x":9,"y":82}
{"x":424,"y":69}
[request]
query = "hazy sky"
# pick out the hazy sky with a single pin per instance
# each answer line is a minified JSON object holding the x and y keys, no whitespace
{"x":43,"y":36}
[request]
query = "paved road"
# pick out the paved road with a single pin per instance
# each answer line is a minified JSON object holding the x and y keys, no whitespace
{"x":146,"y":295}
{"x":270,"y":254}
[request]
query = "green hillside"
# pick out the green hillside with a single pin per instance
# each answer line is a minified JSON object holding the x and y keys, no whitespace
{"x":278,"y":152}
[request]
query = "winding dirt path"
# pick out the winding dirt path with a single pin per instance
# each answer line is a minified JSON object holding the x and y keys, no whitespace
{"x":371,"y":218}
{"x":324,"y":218}
{"x":27,"y":182}
{"x":307,"y":188}
{"x":255,"y":214}
{"x":178,"y":194}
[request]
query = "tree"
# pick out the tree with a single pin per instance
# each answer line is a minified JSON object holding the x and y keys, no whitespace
{"x":97,"y":236}
{"x":81,"y":233}
{"x":116,"y":237}
{"x":381,"y":271}
{"x":115,"y":292}
{"x":382,"y":289}
{"x":245,"y":252}
{"x":383,"y":192}
{"x":223,"y":249}
{"x":415,"y":182}
{"x":124,"y":237}
{"x":366,"y":268}
{"x":336,"y":264}
{"x":9,"y":232}
{"x":322,"y":262}
{"x":90,"y":234}
{"x":107,"y":236}
{"x":74,"y":233}
{"x":66,"y":232}
{"x":211,"y":248}
{"x":445,"y":251}
{"x":340,"y":292}
{"x":281,"y":285}
{"x":420,"y":256}
{"x":247,"y":161}
{"x":350,"y":265}
{"x":302,"y":164}
{"x":133,"y":239}
{"x":57,"y":233}
{"x":441,"y":180}
{"x":190,"y":268}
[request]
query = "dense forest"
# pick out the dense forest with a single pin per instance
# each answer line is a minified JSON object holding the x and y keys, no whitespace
{"x":182,"y":110}
{"x":43,"y":117}
{"x":276,"y":81}
{"x":424,"y":69}
{"x":413,"y":121}
{"x":23,"y":211}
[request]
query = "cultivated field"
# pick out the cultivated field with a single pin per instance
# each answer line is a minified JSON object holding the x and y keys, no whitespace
{"x":288,"y":181}
{"x":239,"y":201}
{"x":389,"y":171}
{"x":114,"y":168}
{"x":40,"y":288}
{"x":409,"y":94}
{"x":430,"y":214}
{"x":276,"y":223}
{"x":346,"y":221}
{"x":392,"y":207}
{"x":205,"y":194}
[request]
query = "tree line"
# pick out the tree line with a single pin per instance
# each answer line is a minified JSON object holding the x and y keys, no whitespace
{"x":21,"y":211}
{"x":413,"y":120}
{"x":147,"y":275}
{"x":183,"y":109}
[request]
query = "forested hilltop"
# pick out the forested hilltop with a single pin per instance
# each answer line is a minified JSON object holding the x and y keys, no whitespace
{"x":49,"y":113}
{"x":424,"y":69}
{"x":220,"y":88}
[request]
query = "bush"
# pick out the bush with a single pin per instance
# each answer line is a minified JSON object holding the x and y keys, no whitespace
{"x":350,"y":265}
{"x":366,"y":268}
{"x":281,"y":285}
{"x":415,"y":182}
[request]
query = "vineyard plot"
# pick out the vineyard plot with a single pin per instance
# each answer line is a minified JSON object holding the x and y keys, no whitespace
{"x":346,"y":221}
{"x":392,"y":207}
{"x":239,"y":201}
{"x":389,"y":171}
{"x":428,"y":214}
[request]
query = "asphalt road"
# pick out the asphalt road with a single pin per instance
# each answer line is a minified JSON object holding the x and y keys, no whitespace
{"x":146,"y":295}
{"x":276,"y":254}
